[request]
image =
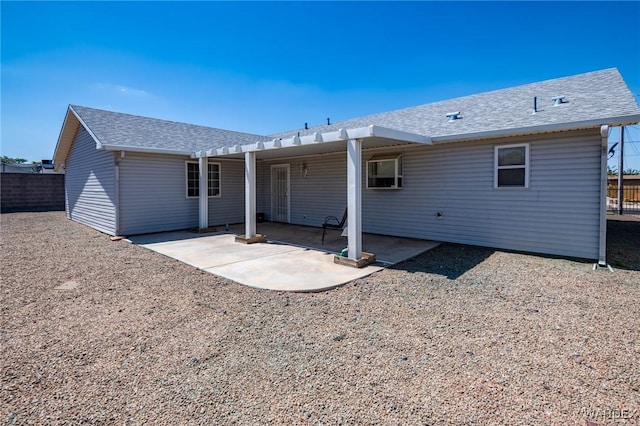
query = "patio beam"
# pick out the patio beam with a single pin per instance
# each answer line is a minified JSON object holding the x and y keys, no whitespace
{"x":203,"y":192}
{"x":354,"y":198}
{"x":339,"y":135}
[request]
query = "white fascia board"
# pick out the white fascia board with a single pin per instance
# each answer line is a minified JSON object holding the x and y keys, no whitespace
{"x":547,"y":128}
{"x":145,"y":150}
{"x":386,"y":133}
{"x":230,"y":150}
{"x":64,"y":140}
{"x":316,"y":138}
{"x":66,"y":136}
{"x":372,"y":131}
{"x":95,"y":138}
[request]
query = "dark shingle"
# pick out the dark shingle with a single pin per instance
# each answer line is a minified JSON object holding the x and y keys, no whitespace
{"x":117,"y":129}
{"x":597,"y":95}
{"x":591,"y":96}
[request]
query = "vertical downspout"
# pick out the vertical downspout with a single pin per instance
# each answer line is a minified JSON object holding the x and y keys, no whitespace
{"x":602,"y":251}
{"x":621,"y":173}
{"x":117,"y":192}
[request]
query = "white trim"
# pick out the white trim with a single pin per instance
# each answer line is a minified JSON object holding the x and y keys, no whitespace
{"x":339,"y":135}
{"x":203,"y":192}
{"x":374,"y":131}
{"x":186,"y":179}
{"x":219,"y":195}
{"x":250,"y":194}
{"x":69,"y":135}
{"x":144,"y":150}
{"x":88,"y":129}
{"x":354,"y":199}
{"x":527,"y":165}
{"x":116,"y":197}
{"x":546,"y":128}
{"x":602,"y":246}
{"x":288,"y":167}
{"x":58,"y":162}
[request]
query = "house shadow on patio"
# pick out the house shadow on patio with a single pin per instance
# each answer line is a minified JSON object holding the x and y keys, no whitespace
{"x":388,"y":249}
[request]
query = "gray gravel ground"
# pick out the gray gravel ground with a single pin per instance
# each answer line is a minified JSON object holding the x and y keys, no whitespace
{"x":458,"y":335}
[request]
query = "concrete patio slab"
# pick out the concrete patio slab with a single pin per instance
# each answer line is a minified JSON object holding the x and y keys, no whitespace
{"x":296,"y":270}
{"x":208,"y":251}
{"x":277,"y":265}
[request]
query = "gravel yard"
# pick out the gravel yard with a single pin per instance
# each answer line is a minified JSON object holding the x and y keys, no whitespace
{"x":458,"y":335}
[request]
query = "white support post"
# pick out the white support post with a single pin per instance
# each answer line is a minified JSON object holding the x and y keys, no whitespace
{"x":250,"y":194}
{"x":354,"y":198}
{"x":203,"y":192}
{"x":602,"y":252}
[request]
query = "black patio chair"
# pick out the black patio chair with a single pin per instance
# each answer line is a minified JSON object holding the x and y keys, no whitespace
{"x":331,"y":222}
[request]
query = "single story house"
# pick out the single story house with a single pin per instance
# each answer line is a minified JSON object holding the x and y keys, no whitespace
{"x":523,"y":168}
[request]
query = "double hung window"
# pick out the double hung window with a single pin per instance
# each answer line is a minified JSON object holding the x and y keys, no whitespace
{"x":511,"y":166}
{"x":193,"y":180}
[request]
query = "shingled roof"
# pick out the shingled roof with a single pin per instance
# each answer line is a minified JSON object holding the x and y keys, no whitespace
{"x":588,"y":100}
{"x":599,"y":97}
{"x":118,"y":131}
{"x":125,"y":130}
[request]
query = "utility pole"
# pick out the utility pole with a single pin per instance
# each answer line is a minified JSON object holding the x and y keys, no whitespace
{"x":621,"y":173}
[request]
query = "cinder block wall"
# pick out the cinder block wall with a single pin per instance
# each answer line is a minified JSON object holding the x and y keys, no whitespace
{"x":25,"y":192}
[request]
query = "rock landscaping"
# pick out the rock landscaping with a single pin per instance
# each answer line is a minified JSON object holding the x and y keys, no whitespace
{"x":95,"y":331}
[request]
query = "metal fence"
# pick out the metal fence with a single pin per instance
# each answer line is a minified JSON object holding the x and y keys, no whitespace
{"x":630,"y":199}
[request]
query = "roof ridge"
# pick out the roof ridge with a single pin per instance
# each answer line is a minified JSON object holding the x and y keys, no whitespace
{"x":447,"y":101}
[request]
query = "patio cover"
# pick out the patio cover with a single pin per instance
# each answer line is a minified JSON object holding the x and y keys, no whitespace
{"x":346,"y":139}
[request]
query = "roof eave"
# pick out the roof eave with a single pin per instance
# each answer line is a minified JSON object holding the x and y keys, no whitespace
{"x":68,"y":131}
{"x":547,"y":128}
{"x":144,"y":150}
{"x":65,"y":138}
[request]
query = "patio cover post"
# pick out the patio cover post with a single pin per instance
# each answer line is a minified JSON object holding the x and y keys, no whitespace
{"x":203,"y":192}
{"x":354,"y":198}
{"x":250,"y":194}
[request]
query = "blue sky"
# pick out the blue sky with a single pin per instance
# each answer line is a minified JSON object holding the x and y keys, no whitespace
{"x":267,"y":67}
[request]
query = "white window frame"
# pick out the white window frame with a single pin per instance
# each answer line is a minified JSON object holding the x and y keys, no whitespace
{"x":526,"y":166}
{"x":398,"y":166}
{"x":186,"y":179}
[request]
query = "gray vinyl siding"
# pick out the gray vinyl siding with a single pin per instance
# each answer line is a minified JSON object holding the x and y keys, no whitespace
{"x":557,"y":214}
{"x":229,"y":208}
{"x":90,"y":184}
{"x":153,"y":194}
{"x":321,"y":193}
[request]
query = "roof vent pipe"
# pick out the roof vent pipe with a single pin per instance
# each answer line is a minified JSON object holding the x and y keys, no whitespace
{"x":306,"y":126}
{"x":535,"y":104}
{"x":453,"y":116}
{"x":328,"y":121}
{"x":558,"y":100}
